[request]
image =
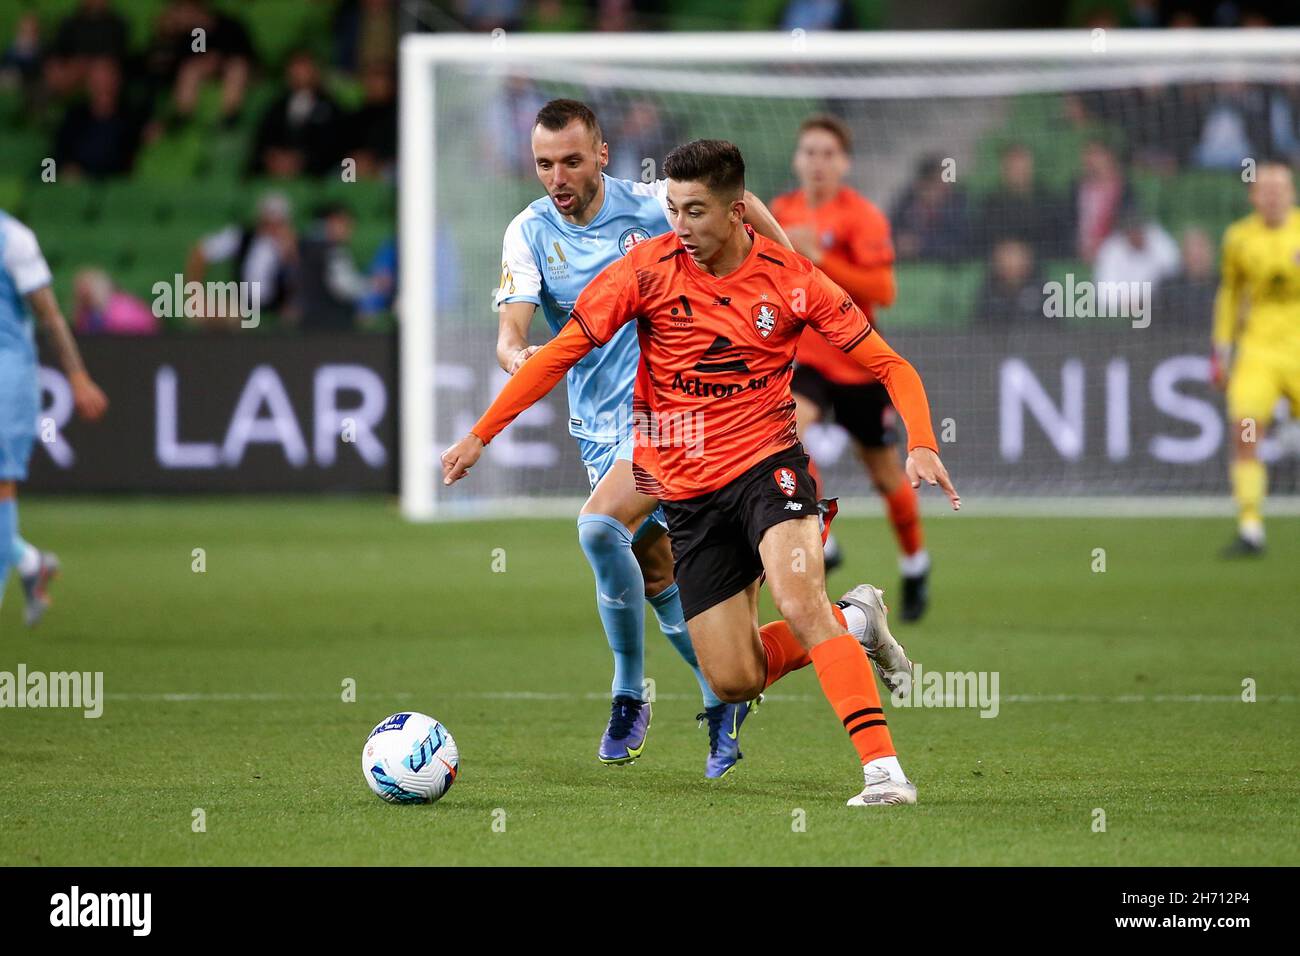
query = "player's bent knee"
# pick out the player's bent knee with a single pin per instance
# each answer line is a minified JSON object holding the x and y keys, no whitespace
{"x":601,"y":535}
{"x":736,"y":691}
{"x":802,"y":612}
{"x":656,"y":584}
{"x":737,"y":681}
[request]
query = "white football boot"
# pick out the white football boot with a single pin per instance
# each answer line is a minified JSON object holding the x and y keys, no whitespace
{"x":887,"y":655}
{"x":883,"y":790}
{"x":36,"y":587}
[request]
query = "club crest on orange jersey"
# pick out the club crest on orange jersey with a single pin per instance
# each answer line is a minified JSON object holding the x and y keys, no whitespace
{"x":765,"y":317}
{"x":785,"y":480}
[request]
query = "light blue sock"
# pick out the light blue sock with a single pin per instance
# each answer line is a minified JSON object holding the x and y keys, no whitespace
{"x":620,"y":598}
{"x":668,"y":609}
{"x":20,"y":546}
{"x":8,"y":531}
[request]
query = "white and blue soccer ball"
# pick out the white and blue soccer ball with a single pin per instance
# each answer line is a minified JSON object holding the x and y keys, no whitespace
{"x":410,"y":758}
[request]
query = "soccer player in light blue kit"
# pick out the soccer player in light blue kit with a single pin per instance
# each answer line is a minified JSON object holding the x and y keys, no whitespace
{"x":551,"y":251}
{"x":25,"y":291}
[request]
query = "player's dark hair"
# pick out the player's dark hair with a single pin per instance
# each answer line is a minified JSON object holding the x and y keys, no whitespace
{"x":831,"y":124}
{"x":558,"y":114}
{"x":714,"y":162}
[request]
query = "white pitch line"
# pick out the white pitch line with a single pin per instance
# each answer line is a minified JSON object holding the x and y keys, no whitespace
{"x":204,"y":698}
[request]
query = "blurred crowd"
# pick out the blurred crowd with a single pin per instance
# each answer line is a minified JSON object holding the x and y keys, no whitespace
{"x":1017,"y":226}
{"x":1020,"y":225}
{"x":1098,"y":221}
{"x":113,"y":98}
{"x":104,"y":98}
{"x":307,"y":278}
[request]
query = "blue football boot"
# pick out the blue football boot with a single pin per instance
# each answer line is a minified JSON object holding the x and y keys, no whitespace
{"x":629,"y":723}
{"x":724,"y":735}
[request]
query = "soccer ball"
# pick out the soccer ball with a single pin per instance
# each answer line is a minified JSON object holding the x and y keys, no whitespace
{"x":410,"y":758}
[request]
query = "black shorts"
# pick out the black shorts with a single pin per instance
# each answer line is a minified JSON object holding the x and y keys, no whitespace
{"x":715,"y":536}
{"x":864,"y":411}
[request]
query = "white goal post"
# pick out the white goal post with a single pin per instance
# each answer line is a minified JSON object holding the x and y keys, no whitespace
{"x":451,"y":82}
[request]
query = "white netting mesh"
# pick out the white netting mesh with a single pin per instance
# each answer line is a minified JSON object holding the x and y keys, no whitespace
{"x":1039,"y":403}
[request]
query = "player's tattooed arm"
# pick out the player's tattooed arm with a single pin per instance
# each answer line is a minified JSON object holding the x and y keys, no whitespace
{"x":87,"y":397}
{"x":760,"y":217}
{"x":512,"y":336}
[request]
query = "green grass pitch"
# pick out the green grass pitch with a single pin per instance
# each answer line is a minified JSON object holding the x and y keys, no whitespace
{"x":1120,"y":693}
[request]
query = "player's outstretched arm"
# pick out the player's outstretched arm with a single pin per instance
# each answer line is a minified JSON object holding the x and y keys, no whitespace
{"x":533,"y":380}
{"x":607,"y":303}
{"x":832,"y":313}
{"x":760,"y":217}
{"x":512,"y":335}
{"x":908,"y":395}
{"x":87,"y":397}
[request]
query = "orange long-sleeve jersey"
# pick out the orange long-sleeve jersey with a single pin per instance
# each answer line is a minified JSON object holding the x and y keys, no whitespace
{"x":858,"y":254}
{"x":712,"y":393}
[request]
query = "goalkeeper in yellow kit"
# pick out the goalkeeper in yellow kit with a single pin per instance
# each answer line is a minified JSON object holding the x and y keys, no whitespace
{"x":1257,"y":337}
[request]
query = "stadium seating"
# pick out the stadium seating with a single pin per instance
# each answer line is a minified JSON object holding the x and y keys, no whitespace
{"x":191,"y":179}
{"x":932,"y":296}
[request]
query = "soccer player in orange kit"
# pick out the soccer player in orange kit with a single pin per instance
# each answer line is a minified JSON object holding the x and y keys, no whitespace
{"x":844,"y":235}
{"x":719,"y":311}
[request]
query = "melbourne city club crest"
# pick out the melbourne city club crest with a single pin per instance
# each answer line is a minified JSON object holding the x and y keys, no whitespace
{"x":784,"y":478}
{"x":765,"y":316}
{"x":630,"y":238}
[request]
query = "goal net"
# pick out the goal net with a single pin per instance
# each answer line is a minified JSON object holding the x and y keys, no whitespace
{"x":1057,"y":202}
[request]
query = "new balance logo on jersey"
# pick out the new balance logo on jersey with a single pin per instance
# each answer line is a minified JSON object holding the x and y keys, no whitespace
{"x":785,"y":480}
{"x":722,"y":356}
{"x":765,"y":316}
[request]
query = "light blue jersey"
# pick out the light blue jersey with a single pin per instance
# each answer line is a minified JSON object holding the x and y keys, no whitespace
{"x":548,"y":261}
{"x":22,"y":271}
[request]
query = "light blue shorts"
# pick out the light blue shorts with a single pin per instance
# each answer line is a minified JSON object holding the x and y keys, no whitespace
{"x":599,"y":457}
{"x":19,"y":406}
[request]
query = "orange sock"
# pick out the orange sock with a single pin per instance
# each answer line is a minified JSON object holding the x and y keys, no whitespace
{"x":905,"y":516}
{"x":848,"y":684}
{"x":784,"y":652}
